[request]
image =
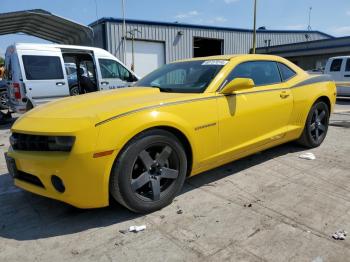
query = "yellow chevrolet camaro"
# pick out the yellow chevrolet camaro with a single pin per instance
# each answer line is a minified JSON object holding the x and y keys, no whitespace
{"x":138,"y":144}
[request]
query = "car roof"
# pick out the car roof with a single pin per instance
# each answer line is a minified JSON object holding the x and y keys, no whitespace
{"x":51,"y":47}
{"x":230,"y":57}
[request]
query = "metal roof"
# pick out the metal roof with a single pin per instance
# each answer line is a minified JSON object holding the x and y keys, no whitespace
{"x":339,"y":44}
{"x":43,"y":24}
{"x":144,"y":22}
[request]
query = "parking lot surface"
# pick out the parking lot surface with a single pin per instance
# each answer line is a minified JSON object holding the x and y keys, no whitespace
{"x":272,"y":206}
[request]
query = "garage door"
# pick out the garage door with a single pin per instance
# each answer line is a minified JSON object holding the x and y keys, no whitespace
{"x":148,"y":56}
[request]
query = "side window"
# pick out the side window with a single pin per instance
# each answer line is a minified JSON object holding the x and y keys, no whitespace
{"x":125,"y":74}
{"x":112,"y":69}
{"x":262,"y":72}
{"x":286,"y":72}
{"x":336,"y":65}
{"x":42,"y":67}
{"x":347,"y":67}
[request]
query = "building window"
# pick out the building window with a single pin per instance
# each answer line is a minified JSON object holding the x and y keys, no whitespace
{"x":336,"y":65}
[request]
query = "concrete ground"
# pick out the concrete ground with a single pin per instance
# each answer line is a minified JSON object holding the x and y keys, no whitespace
{"x":272,"y":206}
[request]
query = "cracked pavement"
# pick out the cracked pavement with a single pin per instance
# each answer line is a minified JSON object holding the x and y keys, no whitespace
{"x":272,"y":206}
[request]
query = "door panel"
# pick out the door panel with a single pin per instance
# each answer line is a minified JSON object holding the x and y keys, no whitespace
{"x":336,"y":69}
{"x":113,"y":75}
{"x":250,"y":119}
{"x":257,"y":116}
{"x":44,"y":76}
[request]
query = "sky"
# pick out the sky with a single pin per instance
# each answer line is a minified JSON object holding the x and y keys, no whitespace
{"x":332,"y":17}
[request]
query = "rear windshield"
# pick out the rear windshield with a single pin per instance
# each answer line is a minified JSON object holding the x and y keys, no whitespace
{"x":183,"y":77}
{"x":42,"y":67}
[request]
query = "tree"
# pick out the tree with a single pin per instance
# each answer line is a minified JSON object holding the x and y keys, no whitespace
{"x":2,"y":60}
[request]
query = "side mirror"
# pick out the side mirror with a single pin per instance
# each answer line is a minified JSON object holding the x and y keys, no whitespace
{"x":237,"y":84}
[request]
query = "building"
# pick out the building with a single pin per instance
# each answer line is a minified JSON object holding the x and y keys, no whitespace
{"x":157,"y":43}
{"x":311,"y":54}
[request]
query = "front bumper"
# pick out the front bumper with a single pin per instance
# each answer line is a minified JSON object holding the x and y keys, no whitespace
{"x":86,"y":179}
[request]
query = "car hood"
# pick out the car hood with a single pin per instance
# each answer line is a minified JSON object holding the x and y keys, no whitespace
{"x":95,"y":107}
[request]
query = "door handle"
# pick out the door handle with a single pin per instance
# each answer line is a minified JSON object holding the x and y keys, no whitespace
{"x":60,"y":83}
{"x":104,"y":83}
{"x":284,"y":95}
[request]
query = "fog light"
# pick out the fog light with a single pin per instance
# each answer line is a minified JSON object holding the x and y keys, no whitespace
{"x":58,"y":184}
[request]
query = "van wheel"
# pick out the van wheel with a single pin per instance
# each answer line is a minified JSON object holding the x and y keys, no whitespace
{"x":74,"y":91}
{"x":316,"y":126}
{"x":3,"y":100}
{"x":29,"y":106}
{"x":150,"y":172}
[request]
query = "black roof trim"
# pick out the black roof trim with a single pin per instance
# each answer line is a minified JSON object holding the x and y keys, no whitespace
{"x":134,"y":21}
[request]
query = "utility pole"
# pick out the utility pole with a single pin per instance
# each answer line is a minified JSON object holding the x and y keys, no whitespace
{"x":132,"y":34}
{"x":254,"y":29}
{"x":309,"y":26}
{"x":124,"y":32}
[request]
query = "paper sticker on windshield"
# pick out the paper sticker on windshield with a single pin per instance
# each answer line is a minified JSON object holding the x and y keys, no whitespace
{"x":215,"y":62}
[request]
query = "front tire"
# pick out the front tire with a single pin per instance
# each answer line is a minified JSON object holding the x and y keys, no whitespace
{"x":149,"y":172}
{"x":316,"y":126}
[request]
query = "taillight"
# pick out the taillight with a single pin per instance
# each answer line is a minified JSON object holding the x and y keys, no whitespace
{"x":17,"y":90}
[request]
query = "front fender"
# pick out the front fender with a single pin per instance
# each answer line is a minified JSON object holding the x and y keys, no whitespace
{"x":114,"y":135}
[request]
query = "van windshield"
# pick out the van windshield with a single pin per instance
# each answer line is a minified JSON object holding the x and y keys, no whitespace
{"x":183,"y":77}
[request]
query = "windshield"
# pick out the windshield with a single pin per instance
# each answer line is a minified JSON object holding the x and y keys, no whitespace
{"x":184,"y":77}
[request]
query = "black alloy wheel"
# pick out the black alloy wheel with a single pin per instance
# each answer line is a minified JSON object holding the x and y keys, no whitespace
{"x":149,"y":172}
{"x":316,"y":125}
{"x":154,"y":172}
{"x":3,"y":100}
{"x":74,"y":91}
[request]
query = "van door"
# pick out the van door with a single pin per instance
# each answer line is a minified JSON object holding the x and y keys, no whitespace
{"x":113,"y":75}
{"x":43,"y":74}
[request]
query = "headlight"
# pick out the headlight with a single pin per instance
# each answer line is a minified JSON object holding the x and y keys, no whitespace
{"x":60,"y":143}
{"x":28,"y":142}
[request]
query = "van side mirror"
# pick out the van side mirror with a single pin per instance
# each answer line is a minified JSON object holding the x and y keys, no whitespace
{"x":237,"y":84}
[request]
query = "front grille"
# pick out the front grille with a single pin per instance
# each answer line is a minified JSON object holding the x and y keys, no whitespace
{"x":29,"y":178}
{"x":27,"y":142}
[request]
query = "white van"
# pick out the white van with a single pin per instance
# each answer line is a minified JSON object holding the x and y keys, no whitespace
{"x":339,"y":69}
{"x":38,"y":73}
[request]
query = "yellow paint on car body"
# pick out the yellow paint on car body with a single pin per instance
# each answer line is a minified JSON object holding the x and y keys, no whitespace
{"x":219,"y":128}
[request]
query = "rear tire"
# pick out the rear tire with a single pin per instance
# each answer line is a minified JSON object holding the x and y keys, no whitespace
{"x":316,"y":126}
{"x":149,"y":172}
{"x":74,"y":91}
{"x":3,"y":100}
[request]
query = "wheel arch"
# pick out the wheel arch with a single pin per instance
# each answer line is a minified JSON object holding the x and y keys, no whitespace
{"x":326,"y":100}
{"x":173,"y":130}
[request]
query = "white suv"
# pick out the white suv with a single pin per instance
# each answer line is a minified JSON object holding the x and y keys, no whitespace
{"x":339,"y":69}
